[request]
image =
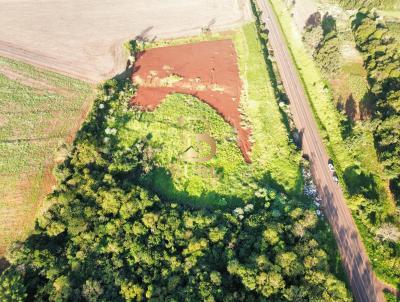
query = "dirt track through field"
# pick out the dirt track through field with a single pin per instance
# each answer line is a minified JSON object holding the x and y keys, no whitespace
{"x":206,"y":70}
{"x":83,"y":38}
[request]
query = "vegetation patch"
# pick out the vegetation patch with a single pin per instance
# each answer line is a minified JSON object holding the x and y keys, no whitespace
{"x":209,"y":71}
{"x":321,"y":36}
{"x":110,"y":237}
{"x":273,"y":147}
{"x":39,"y":112}
{"x":382,"y":60}
{"x":349,"y":143}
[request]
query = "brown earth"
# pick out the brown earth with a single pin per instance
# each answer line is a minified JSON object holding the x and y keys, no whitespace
{"x":206,"y":70}
{"x":83,"y":38}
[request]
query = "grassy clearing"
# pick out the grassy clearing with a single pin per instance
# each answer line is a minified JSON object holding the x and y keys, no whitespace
{"x":272,"y":147}
{"x":173,"y":128}
{"x":394,"y":28}
{"x":356,"y":80}
{"x":187,"y":40}
{"x":350,"y":154}
{"x":177,"y":121}
{"x":38,"y":111}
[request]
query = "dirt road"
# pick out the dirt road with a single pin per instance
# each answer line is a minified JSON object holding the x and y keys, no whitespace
{"x":363,"y":283}
{"x":83,"y":38}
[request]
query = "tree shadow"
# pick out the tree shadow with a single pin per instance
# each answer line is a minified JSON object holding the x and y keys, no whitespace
{"x":394,"y":185}
{"x":339,"y":104}
{"x":313,"y":21}
{"x":360,"y":182}
{"x":351,"y":107}
{"x":367,"y":105}
{"x":346,"y":126}
{"x":3,"y":264}
{"x":160,"y":181}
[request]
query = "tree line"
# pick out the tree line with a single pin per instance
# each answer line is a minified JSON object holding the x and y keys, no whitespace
{"x":382,"y":61}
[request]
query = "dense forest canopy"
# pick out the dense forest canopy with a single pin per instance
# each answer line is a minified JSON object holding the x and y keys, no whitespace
{"x":382,"y":61}
{"x":108,"y":237}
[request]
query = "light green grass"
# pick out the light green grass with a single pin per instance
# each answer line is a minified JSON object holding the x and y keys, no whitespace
{"x":275,"y":161}
{"x":357,"y":81}
{"x":271,"y":147}
{"x":38,"y":110}
{"x":359,"y":150}
{"x":56,"y":79}
{"x":394,"y":28}
{"x":173,"y":127}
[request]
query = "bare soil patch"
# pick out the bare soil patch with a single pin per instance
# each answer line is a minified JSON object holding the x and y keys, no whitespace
{"x":302,"y":10}
{"x":206,"y":70}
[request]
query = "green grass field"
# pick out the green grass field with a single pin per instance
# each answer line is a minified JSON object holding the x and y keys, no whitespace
{"x":176,"y":122}
{"x":351,"y":155}
{"x":39,"y":110}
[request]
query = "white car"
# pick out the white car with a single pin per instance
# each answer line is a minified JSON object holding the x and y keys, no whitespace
{"x":335,"y":179}
{"x":331,"y":167}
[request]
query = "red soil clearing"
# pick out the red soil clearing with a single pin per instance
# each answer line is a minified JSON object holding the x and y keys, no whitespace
{"x":206,"y":70}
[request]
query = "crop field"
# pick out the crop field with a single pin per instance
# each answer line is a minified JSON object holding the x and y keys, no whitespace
{"x":203,"y":149}
{"x":362,"y":176}
{"x":85,"y":39}
{"x":39,"y":113}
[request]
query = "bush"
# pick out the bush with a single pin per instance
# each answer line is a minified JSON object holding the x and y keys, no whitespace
{"x":109,"y":238}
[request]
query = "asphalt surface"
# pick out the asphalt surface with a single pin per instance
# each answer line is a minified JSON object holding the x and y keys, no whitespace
{"x":364,"y":285}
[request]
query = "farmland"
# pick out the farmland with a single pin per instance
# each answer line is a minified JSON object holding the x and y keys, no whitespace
{"x":39,"y":113}
{"x":84,"y":39}
{"x":132,"y":220}
{"x":202,"y":169}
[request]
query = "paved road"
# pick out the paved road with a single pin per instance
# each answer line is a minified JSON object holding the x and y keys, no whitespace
{"x":363,"y":283}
